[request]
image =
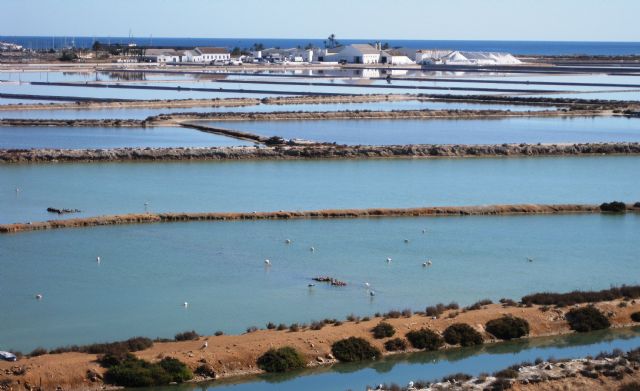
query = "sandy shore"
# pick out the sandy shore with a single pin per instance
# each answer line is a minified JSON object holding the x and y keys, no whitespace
{"x":235,"y":355}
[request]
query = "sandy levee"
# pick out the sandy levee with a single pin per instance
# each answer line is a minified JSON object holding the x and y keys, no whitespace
{"x":236,"y":355}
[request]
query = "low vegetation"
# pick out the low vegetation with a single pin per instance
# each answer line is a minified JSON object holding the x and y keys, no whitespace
{"x":615,"y":207}
{"x":395,"y":344}
{"x":134,"y":372}
{"x":130,"y":345}
{"x":478,"y":305}
{"x":281,"y":360}
{"x":354,"y":349}
{"x":383,"y":330}
{"x":579,"y":297}
{"x":587,"y":319}
{"x":438,"y":309}
{"x":462,"y":334}
{"x":187,"y":336}
{"x":507,"y":327}
{"x":425,"y":339}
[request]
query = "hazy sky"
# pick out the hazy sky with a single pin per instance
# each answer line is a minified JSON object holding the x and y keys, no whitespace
{"x":577,"y":20}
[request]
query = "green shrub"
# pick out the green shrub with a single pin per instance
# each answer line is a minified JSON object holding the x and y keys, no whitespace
{"x":425,"y":339}
{"x":187,"y":336}
{"x":354,"y":349}
{"x":281,"y":360}
{"x":462,"y":334}
{"x":395,"y":344}
{"x":109,"y":360}
{"x":615,"y":206}
{"x":134,"y":372}
{"x":635,"y":316}
{"x":507,"y":327}
{"x":176,"y":369}
{"x":587,"y":319}
{"x":383,"y":330}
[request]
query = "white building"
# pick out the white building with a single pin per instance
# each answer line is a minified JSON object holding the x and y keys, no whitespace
{"x":395,"y":57}
{"x":355,"y":54}
{"x":163,"y":55}
{"x":211,"y":54}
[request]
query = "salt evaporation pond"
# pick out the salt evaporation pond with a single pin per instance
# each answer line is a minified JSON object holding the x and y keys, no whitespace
{"x":434,"y":131}
{"x":33,"y":137}
{"x":146,"y":273}
{"x":114,"y":188}
{"x":142,"y":113}
{"x":428,"y":365}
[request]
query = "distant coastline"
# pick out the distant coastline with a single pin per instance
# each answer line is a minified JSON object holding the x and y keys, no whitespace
{"x":514,"y":47}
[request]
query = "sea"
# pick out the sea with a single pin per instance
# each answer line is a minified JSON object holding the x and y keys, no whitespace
{"x":514,"y":47}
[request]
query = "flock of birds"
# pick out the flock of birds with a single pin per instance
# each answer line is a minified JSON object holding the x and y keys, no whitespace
{"x":267,"y":263}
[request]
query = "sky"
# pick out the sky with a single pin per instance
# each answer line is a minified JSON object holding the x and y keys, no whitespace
{"x":543,"y":20}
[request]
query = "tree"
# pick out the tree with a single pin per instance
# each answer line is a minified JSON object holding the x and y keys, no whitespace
{"x":97,"y":46}
{"x":236,"y":51}
{"x":257,"y":47}
{"x":333,"y":42}
{"x":385,"y":46}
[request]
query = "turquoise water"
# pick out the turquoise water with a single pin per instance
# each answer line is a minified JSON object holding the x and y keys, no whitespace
{"x":142,"y":113}
{"x":21,"y":137}
{"x":434,"y":131}
{"x":148,"y":271}
{"x":429,"y":366}
{"x":111,"y":188}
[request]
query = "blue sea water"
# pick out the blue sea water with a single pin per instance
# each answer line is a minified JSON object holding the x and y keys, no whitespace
{"x":515,"y":47}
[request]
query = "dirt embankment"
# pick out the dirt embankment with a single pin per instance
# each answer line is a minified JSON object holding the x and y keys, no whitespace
{"x":573,"y":103}
{"x":235,"y":355}
{"x":314,"y":152}
{"x":145,"y":218}
{"x":100,"y":123}
{"x":293,"y":100}
{"x":171,"y":103}
{"x":367,"y":114}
